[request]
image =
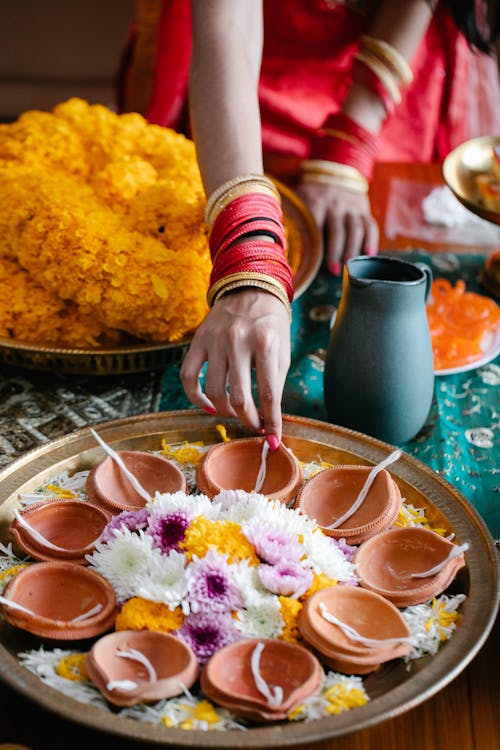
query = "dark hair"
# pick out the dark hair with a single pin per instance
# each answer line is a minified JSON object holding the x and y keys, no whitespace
{"x":479,"y":32}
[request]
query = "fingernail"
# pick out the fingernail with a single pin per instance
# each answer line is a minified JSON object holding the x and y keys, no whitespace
{"x":370,"y":251}
{"x":273,"y":442}
{"x":261,"y":432}
{"x":334,"y":269}
{"x":209,"y":409}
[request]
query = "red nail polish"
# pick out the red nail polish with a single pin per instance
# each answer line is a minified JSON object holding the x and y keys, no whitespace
{"x":261,"y":432}
{"x":273,"y":442}
{"x":370,"y":251}
{"x":209,"y":409}
{"x":334,"y":269}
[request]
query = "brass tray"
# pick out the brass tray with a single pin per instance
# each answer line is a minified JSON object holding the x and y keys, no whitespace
{"x":462,"y":166}
{"x":393,"y":689}
{"x":305,"y":253}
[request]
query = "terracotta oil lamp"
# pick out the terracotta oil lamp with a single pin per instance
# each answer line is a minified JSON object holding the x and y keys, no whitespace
{"x":59,"y":529}
{"x":109,"y":486}
{"x":408,"y":565}
{"x":261,"y":679}
{"x":59,"y":600}
{"x":239,"y":464}
{"x":130,"y":667}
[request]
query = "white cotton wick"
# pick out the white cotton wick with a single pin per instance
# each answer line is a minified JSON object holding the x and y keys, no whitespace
{"x":15,"y":605}
{"x":261,"y":476}
{"x":454,"y":552}
{"x":366,"y":488}
{"x":20,"y":608}
{"x":89,"y":613}
{"x":136,"y":485}
{"x":136,"y":655}
{"x":353,"y":634}
{"x":36,"y":534}
{"x":275,"y":695}
{"x":126,"y":685}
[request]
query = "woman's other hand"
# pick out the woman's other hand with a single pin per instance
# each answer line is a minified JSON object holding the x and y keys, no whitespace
{"x":344,"y":218}
{"x":244,"y":331}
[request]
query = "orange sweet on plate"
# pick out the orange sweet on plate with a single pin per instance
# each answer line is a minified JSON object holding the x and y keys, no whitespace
{"x":460,"y":322}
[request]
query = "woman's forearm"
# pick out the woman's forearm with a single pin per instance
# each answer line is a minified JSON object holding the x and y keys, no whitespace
{"x":223,"y":88}
{"x":402,"y":25}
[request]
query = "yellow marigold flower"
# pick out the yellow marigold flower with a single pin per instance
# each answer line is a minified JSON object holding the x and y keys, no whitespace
{"x":340,"y":698}
{"x":142,"y":614}
{"x":6,"y":575}
{"x":223,"y":432}
{"x":73,"y":668}
{"x":184,"y":454}
{"x":105,"y":212}
{"x":202,"y":711}
{"x":224,"y":536}
{"x":290,"y":609}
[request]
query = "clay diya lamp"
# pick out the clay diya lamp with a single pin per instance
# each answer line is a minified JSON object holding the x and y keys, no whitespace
{"x":261,"y":679}
{"x":353,"y":630}
{"x":130,"y":667}
{"x":351,"y":502}
{"x":408,"y":565}
{"x":247,"y":464}
{"x":128,"y":486}
{"x":59,"y":529}
{"x":59,"y":600}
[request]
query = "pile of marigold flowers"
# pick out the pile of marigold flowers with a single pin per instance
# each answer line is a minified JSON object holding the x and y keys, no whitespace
{"x":102,"y":232}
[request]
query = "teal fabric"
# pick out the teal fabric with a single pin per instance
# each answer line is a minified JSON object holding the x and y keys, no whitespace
{"x":460,"y":437}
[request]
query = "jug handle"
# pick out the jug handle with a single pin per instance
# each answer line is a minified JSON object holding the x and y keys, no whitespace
{"x":428,"y":274}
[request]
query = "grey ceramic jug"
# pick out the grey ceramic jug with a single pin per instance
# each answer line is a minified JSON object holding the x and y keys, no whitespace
{"x":379,"y":370}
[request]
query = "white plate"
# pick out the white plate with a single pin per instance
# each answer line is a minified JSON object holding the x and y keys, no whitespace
{"x":491,"y":350}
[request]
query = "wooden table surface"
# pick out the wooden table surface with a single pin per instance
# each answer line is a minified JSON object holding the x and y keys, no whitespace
{"x":463,"y":715}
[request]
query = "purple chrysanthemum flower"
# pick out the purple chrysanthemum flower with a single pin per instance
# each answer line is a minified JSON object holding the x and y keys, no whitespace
{"x":209,"y":584}
{"x":273,"y":545}
{"x":286,"y":579}
{"x":133,"y":520}
{"x":348,"y":550}
{"x":206,"y":634}
{"x":168,"y":530}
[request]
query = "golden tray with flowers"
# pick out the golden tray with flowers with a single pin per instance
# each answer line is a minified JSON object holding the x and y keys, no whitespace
{"x":305,"y":255}
{"x":104,"y":258}
{"x":393,"y":689}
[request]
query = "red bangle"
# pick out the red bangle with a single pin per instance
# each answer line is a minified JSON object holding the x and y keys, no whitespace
{"x":343,"y":123}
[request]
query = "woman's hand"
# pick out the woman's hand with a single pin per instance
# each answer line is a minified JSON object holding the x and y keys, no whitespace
{"x":345,"y":219}
{"x":245,"y":330}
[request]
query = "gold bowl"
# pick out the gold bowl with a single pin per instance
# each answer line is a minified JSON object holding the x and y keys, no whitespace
{"x":461,"y":168}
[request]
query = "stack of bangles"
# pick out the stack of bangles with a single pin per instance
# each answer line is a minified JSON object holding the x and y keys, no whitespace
{"x":238,"y":214}
{"x":343,"y":152}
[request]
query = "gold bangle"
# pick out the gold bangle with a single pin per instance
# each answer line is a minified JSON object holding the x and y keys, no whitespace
{"x":244,"y":276}
{"x":390,"y":56}
{"x":230,"y":184}
{"x":382,"y":72}
{"x":337,"y":169}
{"x":329,"y":179}
{"x":279,"y":293}
{"x":243,"y":189}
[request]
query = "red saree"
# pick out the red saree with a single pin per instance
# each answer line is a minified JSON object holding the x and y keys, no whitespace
{"x":302,"y":81}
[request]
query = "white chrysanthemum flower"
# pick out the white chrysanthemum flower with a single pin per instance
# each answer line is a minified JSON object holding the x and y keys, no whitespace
{"x":193,"y":505}
{"x":43,"y":663}
{"x":184,"y":708}
{"x":325,"y":557}
{"x":239,"y":505}
{"x":248,"y":583}
{"x":262,"y":619}
{"x":431,"y":624}
{"x":124,"y":560}
{"x":165,"y":579}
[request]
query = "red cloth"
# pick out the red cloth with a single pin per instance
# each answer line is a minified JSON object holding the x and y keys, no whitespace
{"x":302,"y":82}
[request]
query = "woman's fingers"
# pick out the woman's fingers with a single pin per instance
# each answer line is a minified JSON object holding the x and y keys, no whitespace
{"x":244,"y":330}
